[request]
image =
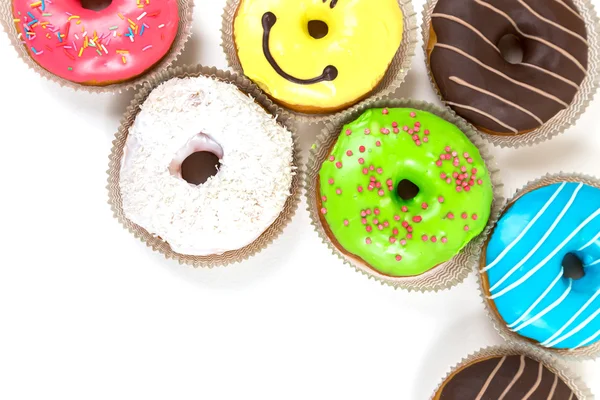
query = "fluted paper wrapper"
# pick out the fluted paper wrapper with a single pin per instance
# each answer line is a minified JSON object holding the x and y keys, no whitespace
{"x":566,"y":117}
{"x":573,"y":381}
{"x":588,"y":352}
{"x":183,"y":33}
{"x":391,"y":81}
{"x":445,"y":275}
{"x":156,"y":243}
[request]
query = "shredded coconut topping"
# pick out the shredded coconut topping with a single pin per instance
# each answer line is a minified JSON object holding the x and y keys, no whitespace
{"x":234,"y":207}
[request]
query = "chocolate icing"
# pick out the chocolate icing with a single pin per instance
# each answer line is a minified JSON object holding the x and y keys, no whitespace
{"x":505,"y":378}
{"x":268,"y":21}
{"x":553,"y":36}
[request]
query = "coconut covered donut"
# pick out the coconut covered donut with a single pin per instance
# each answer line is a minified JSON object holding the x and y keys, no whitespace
{"x":205,"y":167}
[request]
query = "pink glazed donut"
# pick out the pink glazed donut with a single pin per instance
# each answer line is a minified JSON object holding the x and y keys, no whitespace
{"x":97,"y":48}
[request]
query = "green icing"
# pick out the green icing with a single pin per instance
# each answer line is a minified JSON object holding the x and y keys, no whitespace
{"x":392,"y":155}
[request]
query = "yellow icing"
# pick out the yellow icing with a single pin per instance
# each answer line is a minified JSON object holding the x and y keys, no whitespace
{"x":362,"y":40}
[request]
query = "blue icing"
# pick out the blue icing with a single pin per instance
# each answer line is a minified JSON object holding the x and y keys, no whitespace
{"x":535,"y":299}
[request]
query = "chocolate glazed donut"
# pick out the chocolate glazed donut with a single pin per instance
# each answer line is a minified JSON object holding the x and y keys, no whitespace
{"x":505,"y":378}
{"x":480,"y":85}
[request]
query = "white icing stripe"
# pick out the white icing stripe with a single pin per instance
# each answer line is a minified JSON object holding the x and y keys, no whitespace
{"x":532,"y":37}
{"x":555,"y":75}
{"x":495,"y":71}
{"x":551,"y":394}
{"x":573,"y":318}
{"x":490,"y":379}
{"x":549,"y":21}
{"x":547,"y":309}
{"x":594,"y":263}
{"x":539,"y":300}
{"x":588,"y":340}
{"x":570,"y":9}
{"x":478,"y":111}
{"x":502,"y":99}
{"x":576,"y":329}
{"x":524,"y":231}
{"x":540,"y":242}
{"x":515,"y":379}
{"x":542,"y":263}
{"x":536,"y":384}
{"x":467,"y":25}
{"x":588,"y":244}
{"x":571,"y":397}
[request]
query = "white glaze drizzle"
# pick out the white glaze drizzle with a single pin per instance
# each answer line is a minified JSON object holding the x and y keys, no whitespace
{"x":588,"y":244}
{"x":502,"y":99}
{"x":573,"y":318}
{"x":539,"y":300}
{"x":524,"y":231}
{"x":540,"y":242}
{"x":588,"y":340}
{"x":542,"y":263}
{"x":575,"y":330}
{"x":594,"y":263}
{"x":533,"y":37}
{"x":546,"y":310}
{"x":508,"y":78}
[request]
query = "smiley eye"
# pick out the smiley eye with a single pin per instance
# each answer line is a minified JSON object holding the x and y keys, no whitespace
{"x":317,"y":29}
{"x":332,"y":4}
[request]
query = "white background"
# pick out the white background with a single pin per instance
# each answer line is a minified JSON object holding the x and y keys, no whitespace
{"x":89,"y":312}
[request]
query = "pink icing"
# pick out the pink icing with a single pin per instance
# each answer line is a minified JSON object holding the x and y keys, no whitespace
{"x":117,"y":56}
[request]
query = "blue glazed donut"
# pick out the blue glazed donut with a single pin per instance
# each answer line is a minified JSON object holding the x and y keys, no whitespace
{"x":524,"y":273}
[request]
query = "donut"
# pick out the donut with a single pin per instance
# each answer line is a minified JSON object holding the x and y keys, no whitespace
{"x":205,"y":167}
{"x":474,"y":78}
{"x":403,"y":191}
{"x":542,"y":266}
{"x":318,"y":55}
{"x":96,"y":48}
{"x":504,"y":378}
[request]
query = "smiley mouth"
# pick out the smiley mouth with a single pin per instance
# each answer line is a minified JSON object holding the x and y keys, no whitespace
{"x":268,"y":21}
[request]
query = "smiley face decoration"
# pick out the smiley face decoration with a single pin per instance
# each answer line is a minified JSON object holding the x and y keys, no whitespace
{"x":317,"y":56}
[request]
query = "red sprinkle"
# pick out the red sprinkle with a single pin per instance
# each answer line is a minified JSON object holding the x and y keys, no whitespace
{"x":424,"y":206}
{"x":360,"y":189}
{"x":330,"y":181}
{"x":466,"y":227}
{"x":323,"y":211}
{"x":398,"y":257}
{"x":441,"y":199}
{"x":361,"y":160}
{"x":395,"y":231}
{"x":346,"y":222}
{"x":367,"y":131}
{"x":369,"y":228}
{"x":368,"y":240}
{"x":378,"y":143}
{"x":338,"y":164}
{"x":392,"y":239}
{"x":385,"y":111}
{"x":464,"y":215}
{"x":433,"y":239}
{"x":338,"y":191}
{"x":450,"y":215}
{"x":404,"y":209}
{"x":361,"y":149}
{"x":349,"y":153}
{"x":474,"y":216}
{"x":397,"y":217}
{"x":424,"y":237}
{"x":324,"y":198}
{"x":444,"y":239}
{"x":376,"y":211}
{"x":348,"y":132}
{"x":417,"y":219}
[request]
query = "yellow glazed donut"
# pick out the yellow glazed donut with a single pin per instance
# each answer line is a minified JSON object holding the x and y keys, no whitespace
{"x":317,"y":55}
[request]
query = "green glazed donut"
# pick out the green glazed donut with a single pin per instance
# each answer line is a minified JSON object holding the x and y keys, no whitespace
{"x":403,"y":191}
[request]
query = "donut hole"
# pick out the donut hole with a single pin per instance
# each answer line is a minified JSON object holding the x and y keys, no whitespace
{"x":199,"y":166}
{"x":317,"y":29}
{"x":511,"y":49}
{"x":95,"y":5}
{"x":407,"y":190}
{"x":573,"y":267}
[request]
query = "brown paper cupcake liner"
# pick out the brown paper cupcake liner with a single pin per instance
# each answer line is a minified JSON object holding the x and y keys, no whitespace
{"x":156,"y":243}
{"x":442,"y":277}
{"x":565,"y":118}
{"x":574,"y":382}
{"x":584,"y":353}
{"x":391,"y":81}
{"x":183,"y":33}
